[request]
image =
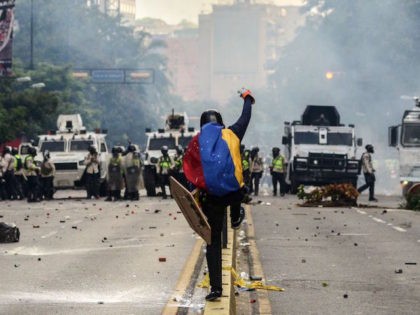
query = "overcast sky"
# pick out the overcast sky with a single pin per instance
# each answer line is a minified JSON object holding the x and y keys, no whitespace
{"x":173,"y":11}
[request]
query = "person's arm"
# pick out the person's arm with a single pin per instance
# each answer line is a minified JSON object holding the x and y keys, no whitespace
{"x":239,"y":128}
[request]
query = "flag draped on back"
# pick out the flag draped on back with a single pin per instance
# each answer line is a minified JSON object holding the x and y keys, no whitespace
{"x":212,"y":161}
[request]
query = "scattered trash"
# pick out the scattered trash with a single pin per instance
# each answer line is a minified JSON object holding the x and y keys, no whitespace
{"x":152,"y":227}
{"x":385,"y":211}
{"x":62,"y":221}
{"x":255,"y":278}
{"x":297,"y":228}
{"x":411,"y":263}
{"x":355,"y":244}
{"x":317,"y":218}
{"x":16,"y":265}
{"x":398,"y":271}
{"x":345,"y":296}
{"x":39,"y":258}
{"x":157,"y":211}
{"x":303,"y":261}
{"x":74,"y":227}
{"x":162,"y":259}
{"x":268,"y":204}
{"x":100,"y":302}
{"x":35,"y":226}
{"x":324,"y":284}
{"x":252,"y":300}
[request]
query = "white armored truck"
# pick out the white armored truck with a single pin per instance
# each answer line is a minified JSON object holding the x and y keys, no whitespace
{"x":176,"y":132}
{"x":68,"y":147}
{"x":406,"y":138}
{"x":320,"y":150}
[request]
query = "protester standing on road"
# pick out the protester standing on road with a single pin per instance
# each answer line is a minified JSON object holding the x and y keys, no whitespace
{"x":47,"y":177}
{"x":369,"y":172}
{"x":19,"y":175}
{"x":92,"y":173}
{"x":9,"y":173}
{"x":115,"y":175}
{"x":213,"y":164}
{"x":277,"y":169}
{"x":257,"y":168}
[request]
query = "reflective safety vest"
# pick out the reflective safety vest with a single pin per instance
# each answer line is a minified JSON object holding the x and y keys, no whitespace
{"x":18,"y":162}
{"x":165,"y":163}
{"x":115,"y":162}
{"x":278,"y":164}
{"x":178,"y":162}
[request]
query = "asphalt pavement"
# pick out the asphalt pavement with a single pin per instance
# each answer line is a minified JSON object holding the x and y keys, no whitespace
{"x":81,"y":256}
{"x":339,"y":260}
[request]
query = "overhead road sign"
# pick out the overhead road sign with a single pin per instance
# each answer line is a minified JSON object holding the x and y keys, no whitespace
{"x":116,"y":76}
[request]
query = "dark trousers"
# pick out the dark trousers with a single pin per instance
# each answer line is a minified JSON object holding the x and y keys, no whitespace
{"x":116,"y":194}
{"x":3,"y":194}
{"x":370,"y":183}
{"x":215,"y":214}
{"x":9,"y":176}
{"x":278,"y":178}
{"x":92,"y":185}
{"x":33,"y":191}
{"x":20,"y":186}
{"x":255,"y":182}
{"x":47,"y":187}
{"x":247,"y":178}
{"x":164,"y":181}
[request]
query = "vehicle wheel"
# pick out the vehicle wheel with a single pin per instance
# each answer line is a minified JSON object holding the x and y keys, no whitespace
{"x":150,"y":182}
{"x":294,"y":185}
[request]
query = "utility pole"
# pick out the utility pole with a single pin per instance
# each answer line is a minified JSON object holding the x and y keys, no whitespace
{"x":31,"y":65}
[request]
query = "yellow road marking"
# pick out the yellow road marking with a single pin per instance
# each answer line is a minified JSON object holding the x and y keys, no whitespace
{"x":184,"y":279}
{"x":264,"y":305}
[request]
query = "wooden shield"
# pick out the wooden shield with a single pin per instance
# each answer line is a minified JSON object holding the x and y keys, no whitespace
{"x":414,"y":190}
{"x":191,"y":210}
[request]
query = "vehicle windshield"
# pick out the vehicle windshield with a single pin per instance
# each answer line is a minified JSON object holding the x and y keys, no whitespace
{"x":183,"y":141}
{"x":53,"y":146}
{"x":158,"y":143}
{"x":80,"y":145}
{"x":306,"y":137}
{"x":411,"y":135}
{"x":333,"y":138}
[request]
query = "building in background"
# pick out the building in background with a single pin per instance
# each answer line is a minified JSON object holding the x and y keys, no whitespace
{"x":124,"y":8}
{"x":239,"y":44}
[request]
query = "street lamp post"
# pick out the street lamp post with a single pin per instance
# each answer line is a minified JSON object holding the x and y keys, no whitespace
{"x":31,"y":66}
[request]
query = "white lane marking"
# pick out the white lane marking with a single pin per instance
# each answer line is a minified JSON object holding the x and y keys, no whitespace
{"x":378,"y":220}
{"x":360,"y":211}
{"x":399,"y":229}
{"x":390,"y":224}
{"x":49,"y":234}
{"x":36,"y":251}
{"x":354,"y":234}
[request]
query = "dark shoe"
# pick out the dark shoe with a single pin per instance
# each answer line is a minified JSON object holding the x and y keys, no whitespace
{"x":236,"y":224}
{"x":213,"y":295}
{"x":274,"y":193}
{"x":108,"y":199}
{"x":373,"y":199}
{"x":282,"y":194}
{"x":247,"y":199}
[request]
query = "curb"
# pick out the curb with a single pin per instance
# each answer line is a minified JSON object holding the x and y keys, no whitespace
{"x":227,"y":303}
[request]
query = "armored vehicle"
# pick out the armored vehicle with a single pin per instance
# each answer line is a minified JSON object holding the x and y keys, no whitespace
{"x":320,"y":150}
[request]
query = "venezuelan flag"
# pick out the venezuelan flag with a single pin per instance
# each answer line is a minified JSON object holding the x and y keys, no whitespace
{"x":212,"y":161}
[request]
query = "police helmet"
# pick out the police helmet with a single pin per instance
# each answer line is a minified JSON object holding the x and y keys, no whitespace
{"x":369,"y":148}
{"x":15,"y":151}
{"x":32,"y":151}
{"x":211,"y":115}
{"x":7,"y":149}
{"x":164,"y":149}
{"x":92,"y":149}
{"x":276,"y":151}
{"x":179,"y":149}
{"x":131,"y":148}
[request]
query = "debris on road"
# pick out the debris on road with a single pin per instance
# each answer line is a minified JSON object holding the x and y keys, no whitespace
{"x":398,"y":271}
{"x":162,"y":259}
{"x":411,"y":263}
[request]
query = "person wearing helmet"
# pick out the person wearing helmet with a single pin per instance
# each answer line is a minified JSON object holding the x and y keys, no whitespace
{"x":9,"y":173}
{"x":212,"y":163}
{"x":115,"y":175}
{"x":369,"y":172}
{"x":92,"y":173}
{"x":164,"y":167}
{"x":177,"y":170}
{"x":31,"y":173}
{"x":257,"y":168}
{"x":277,"y":169}
{"x":19,"y":175}
{"x":246,"y":163}
{"x":132,"y":171}
{"x":47,"y":177}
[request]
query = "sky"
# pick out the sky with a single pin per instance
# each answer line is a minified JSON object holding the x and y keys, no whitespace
{"x":174,"y":11}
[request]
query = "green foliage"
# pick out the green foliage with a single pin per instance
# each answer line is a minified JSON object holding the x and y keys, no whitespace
{"x":70,"y":35}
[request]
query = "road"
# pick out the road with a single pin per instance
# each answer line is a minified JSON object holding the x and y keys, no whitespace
{"x":95,"y":257}
{"x":80,"y":256}
{"x":339,"y":260}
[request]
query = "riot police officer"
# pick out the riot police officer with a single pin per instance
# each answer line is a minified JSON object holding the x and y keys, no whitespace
{"x":257,"y":168}
{"x":277,"y":169}
{"x":177,"y":170}
{"x":132,"y":170}
{"x":115,"y":175}
{"x":165,"y":164}
{"x":92,"y":173}
{"x":31,"y":173}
